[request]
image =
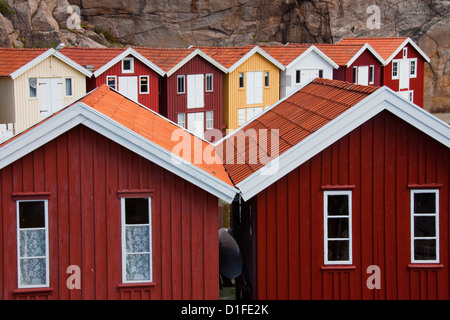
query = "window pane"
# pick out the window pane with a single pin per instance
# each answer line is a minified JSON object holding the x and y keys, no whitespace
{"x":138,"y":267}
{"x":338,"y":205}
{"x":31,"y":214}
{"x":241,"y":80}
{"x":424,"y":226}
{"x":137,"y":238}
{"x":127,"y":64}
{"x":33,"y":87}
{"x":68,"y":87}
{"x":112,"y":82}
{"x":338,"y":228}
{"x":32,"y":243}
{"x":424,"y":203}
{"x":266,"y":79}
{"x":136,"y":211}
{"x":33,"y":272}
{"x":425,"y":249}
{"x":144,"y":85}
{"x":338,"y":250}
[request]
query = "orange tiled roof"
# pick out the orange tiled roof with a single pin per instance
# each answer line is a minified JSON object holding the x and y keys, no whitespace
{"x":286,"y":54}
{"x":96,"y":57}
{"x":149,"y":125}
{"x":164,"y":58}
{"x":296,"y":118}
{"x":385,"y":47}
{"x":341,"y":54}
{"x":12,"y":59}
{"x":227,"y":56}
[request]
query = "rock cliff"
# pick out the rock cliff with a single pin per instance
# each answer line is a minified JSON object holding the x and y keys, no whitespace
{"x":233,"y":22}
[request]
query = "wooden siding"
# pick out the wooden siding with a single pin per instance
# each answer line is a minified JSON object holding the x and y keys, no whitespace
{"x":417,"y":84}
{"x":173,"y":103}
{"x":150,"y":100}
{"x":235,"y":97}
{"x":83,"y":172}
{"x":27,"y":110}
{"x":310,"y":61}
{"x":381,"y":159}
{"x":365,"y":59}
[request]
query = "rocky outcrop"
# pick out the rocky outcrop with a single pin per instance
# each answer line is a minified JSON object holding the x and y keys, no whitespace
{"x":234,"y":22}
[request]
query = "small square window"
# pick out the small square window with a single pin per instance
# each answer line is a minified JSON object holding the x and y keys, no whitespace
{"x":144,"y":84}
{"x":111,"y":82}
{"x":321,"y":74}
{"x":182,"y":120}
{"x":180,"y":84}
{"x":128,"y":65}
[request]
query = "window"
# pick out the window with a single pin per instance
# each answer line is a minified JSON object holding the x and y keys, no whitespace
{"x":182,"y":120}
{"x":424,"y":226}
{"x":266,"y":79}
{"x":32,"y":243}
{"x":209,"y":120}
{"x":355,"y":74}
{"x":241,"y":116}
{"x":253,"y":113}
{"x":111,"y":82}
{"x":337,"y":227}
{"x":144,"y":84}
{"x":413,"y":68}
{"x":241,"y":80}
{"x":371,"y":74}
{"x":298,"y":76}
{"x":33,"y":87}
{"x":321,"y":74}
{"x":209,"y":82}
{"x":395,"y":70}
{"x":405,"y":53}
{"x":128,"y":65}
{"x":68,"y":87}
{"x":180,"y":84}
{"x":136,"y":240}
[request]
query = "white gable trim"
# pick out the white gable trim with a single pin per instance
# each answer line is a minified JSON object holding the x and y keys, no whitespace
{"x":45,"y":55}
{"x":191,"y":56}
{"x":251,"y":53}
{"x":382,"y":99}
{"x":415,"y":46}
{"x":316,"y":50}
{"x":126,"y":53}
{"x":372,"y":50}
{"x":82,"y":114}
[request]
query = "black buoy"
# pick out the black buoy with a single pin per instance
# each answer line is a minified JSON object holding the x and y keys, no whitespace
{"x":230,"y":258}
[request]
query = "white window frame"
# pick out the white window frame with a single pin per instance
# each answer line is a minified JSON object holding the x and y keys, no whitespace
{"x":124,"y":252}
{"x":19,"y":258}
{"x":435,"y":215}
{"x":209,"y":120}
{"x":355,"y":75}
{"x":397,"y":63}
{"x":71,"y":87}
{"x":266,"y":79}
{"x":413,"y":75}
{"x":183,"y":77}
{"x":209,"y":77}
{"x":35,"y":89}
{"x":371,"y":74}
{"x":405,"y":53}
{"x":181,"y":120}
{"x":325,"y":224}
{"x":242,"y":115}
{"x":115,"y":81}
{"x":131,"y":60}
{"x":140,"y":85}
{"x":241,"y":78}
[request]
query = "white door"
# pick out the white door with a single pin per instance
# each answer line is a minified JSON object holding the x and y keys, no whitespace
{"x":50,"y":95}
{"x":253,"y":113}
{"x":404,"y":73}
{"x":195,"y":91}
{"x":254,"y":87}
{"x":363,"y":75}
{"x":196,"y":123}
{"x":128,"y":86}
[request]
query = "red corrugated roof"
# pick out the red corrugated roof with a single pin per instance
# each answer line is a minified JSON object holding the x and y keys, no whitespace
{"x":12,"y":59}
{"x":96,"y":57}
{"x":385,"y":47}
{"x":296,"y":118}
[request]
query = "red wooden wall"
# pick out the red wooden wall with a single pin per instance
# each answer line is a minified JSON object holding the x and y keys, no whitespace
{"x":83,"y":172}
{"x":417,"y":84}
{"x":150,"y":100}
{"x":380,"y":159}
{"x":365,"y":59}
{"x":173,"y":103}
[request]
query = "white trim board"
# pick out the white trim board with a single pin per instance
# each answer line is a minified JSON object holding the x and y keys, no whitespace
{"x":247,"y":56}
{"x":316,"y":50}
{"x":80,"y":113}
{"x":191,"y":56}
{"x":382,"y":99}
{"x":414,"y":45}
{"x":372,"y":50}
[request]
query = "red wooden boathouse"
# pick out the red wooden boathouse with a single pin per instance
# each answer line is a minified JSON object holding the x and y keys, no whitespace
{"x":96,"y":189}
{"x":361,"y":189}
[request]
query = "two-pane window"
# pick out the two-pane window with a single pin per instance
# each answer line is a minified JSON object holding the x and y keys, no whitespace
{"x":424,"y":225}
{"x":181,"y":84}
{"x":209,"y":82}
{"x":144,"y":84}
{"x":111,"y":81}
{"x":338,"y":227}
{"x":136,"y":240}
{"x":209,"y":120}
{"x":32,"y":243}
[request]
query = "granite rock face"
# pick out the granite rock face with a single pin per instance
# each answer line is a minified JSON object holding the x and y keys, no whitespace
{"x":180,"y":23}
